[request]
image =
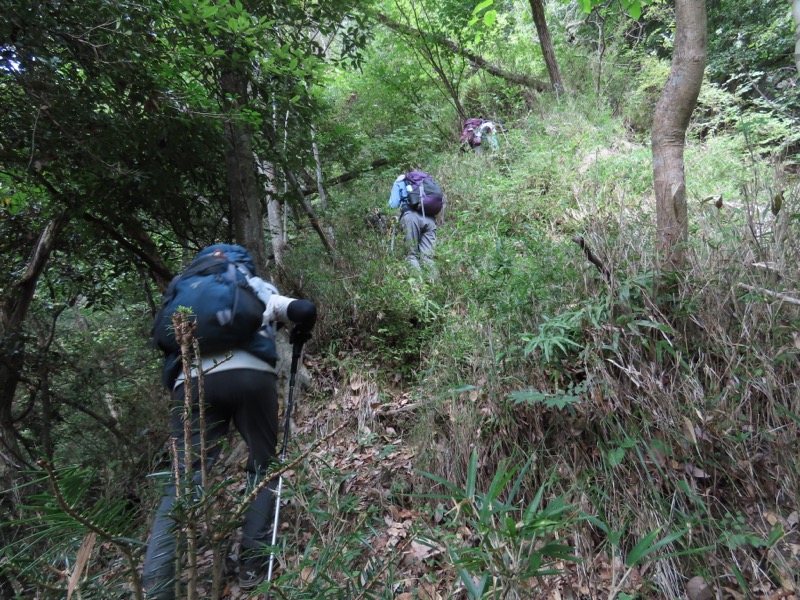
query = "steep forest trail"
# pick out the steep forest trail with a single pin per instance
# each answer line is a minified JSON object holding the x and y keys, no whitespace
{"x":365,"y":484}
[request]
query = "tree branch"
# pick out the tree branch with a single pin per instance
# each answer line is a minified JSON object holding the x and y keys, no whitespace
{"x":590,"y":256}
{"x":349,"y":176}
{"x":145,"y":249}
{"x":780,"y":295}
{"x":476,"y":60}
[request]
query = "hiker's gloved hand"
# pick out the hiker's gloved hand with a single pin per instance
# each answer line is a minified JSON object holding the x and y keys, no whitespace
{"x":304,"y":315}
{"x":298,"y":336}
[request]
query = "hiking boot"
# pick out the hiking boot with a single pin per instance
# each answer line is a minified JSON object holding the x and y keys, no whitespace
{"x":252,"y":571}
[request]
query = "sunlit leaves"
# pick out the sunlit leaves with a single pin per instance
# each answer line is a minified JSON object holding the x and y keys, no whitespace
{"x":488,"y":16}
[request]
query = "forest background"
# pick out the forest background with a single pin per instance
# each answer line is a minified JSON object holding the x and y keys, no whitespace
{"x":579,"y":404}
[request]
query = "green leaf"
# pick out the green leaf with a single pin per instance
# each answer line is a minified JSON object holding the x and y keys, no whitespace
{"x":646,"y":546}
{"x":472,"y":475}
{"x":481,"y":6}
{"x":615,"y":456}
{"x":463,"y":388}
{"x":475,"y":591}
{"x":776,"y":534}
{"x":489,"y":18}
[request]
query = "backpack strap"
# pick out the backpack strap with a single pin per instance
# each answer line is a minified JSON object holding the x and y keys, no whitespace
{"x":422,"y":197}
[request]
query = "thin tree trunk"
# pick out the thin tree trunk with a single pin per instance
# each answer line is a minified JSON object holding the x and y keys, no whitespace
{"x":274,"y":213}
{"x":796,"y":19}
{"x":14,"y":310}
{"x":291,"y":181}
{"x":323,"y":196}
{"x":312,"y":217}
{"x":476,"y":60}
{"x":670,"y":122}
{"x":546,"y":43}
{"x":246,"y":216}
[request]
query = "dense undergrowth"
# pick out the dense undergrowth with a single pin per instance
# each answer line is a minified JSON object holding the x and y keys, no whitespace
{"x":667,"y":423}
{"x":550,"y":418}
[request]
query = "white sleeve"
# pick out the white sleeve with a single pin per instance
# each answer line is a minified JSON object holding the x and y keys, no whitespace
{"x":276,"y":304}
{"x":277,"y":308}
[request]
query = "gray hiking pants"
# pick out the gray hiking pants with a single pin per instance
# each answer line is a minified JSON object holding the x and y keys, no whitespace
{"x":250,"y":399}
{"x":420,"y":237}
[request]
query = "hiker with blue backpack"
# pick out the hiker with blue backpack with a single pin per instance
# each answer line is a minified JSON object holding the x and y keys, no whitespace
{"x":420,"y":200}
{"x":234,"y":312}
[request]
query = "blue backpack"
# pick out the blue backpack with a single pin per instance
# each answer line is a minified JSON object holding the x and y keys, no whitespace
{"x":214,"y":288}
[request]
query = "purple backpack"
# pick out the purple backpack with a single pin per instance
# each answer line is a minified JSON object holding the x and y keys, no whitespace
{"x":468,"y":133}
{"x":424,"y":194}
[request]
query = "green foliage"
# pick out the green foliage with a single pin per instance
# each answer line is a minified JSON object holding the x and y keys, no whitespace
{"x":557,"y":399}
{"x":632,"y":7}
{"x":64,"y":521}
{"x":750,"y":50}
{"x":406,"y":318}
{"x":516,"y":540}
{"x":650,"y":76}
{"x":561,"y":337}
{"x":518,"y":347}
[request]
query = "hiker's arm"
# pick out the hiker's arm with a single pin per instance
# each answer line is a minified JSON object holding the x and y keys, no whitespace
{"x":302,"y":313}
{"x":283,"y":309}
{"x":397,"y":195}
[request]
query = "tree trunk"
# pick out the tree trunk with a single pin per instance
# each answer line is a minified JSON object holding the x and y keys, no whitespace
{"x":796,"y":19}
{"x":274,"y":213}
{"x":312,"y":217}
{"x":670,"y":122}
{"x":537,"y":8}
{"x":240,"y":166}
{"x":15,"y":307}
{"x":323,"y":196}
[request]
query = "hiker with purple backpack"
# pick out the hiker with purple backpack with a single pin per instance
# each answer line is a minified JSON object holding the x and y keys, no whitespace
{"x":419,"y":199}
{"x":476,"y":131}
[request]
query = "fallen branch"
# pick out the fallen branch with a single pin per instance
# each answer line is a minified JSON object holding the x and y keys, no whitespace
{"x":780,"y":295}
{"x":349,"y":176}
{"x":590,"y":256}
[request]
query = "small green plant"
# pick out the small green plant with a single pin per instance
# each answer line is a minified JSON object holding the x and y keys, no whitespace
{"x":557,"y":399}
{"x":512,"y":542}
{"x":563,"y":335}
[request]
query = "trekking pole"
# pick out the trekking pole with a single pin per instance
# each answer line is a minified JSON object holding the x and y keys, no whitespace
{"x":394,"y":228}
{"x":297,"y":349}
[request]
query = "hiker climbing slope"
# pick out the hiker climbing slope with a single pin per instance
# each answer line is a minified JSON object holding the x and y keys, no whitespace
{"x":419,"y":199}
{"x":478,"y":132}
{"x":234,"y":312}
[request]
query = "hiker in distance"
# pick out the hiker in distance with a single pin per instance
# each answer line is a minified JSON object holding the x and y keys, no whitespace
{"x":476,"y":131}
{"x":234,"y":312}
{"x":419,"y":199}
